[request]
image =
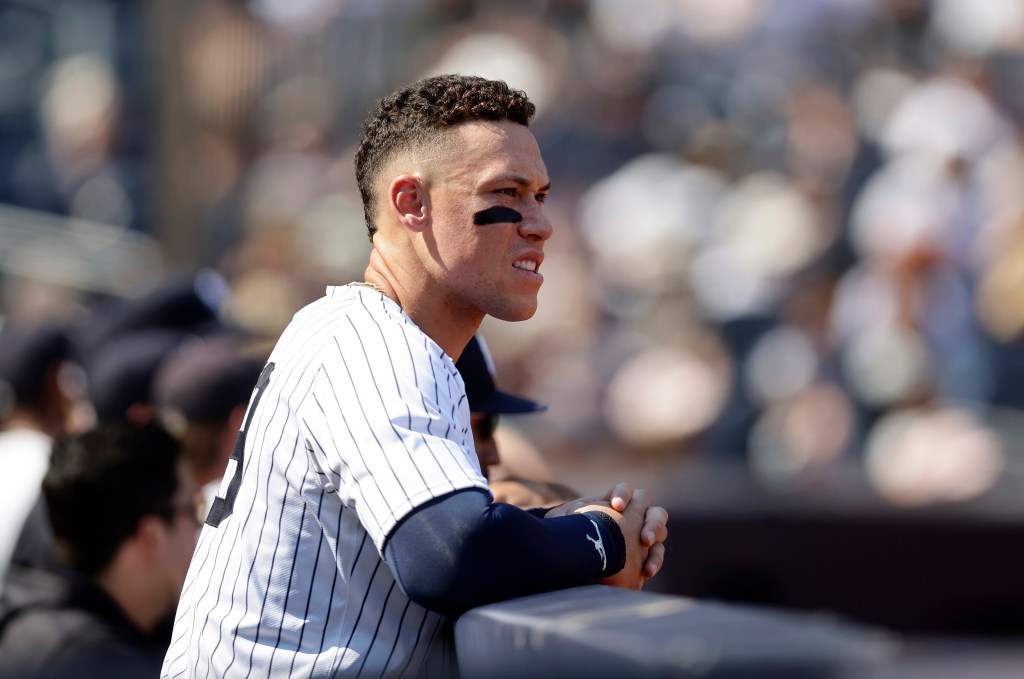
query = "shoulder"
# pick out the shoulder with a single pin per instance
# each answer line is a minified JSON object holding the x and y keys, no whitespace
{"x":376,"y":330}
{"x":345,"y":313}
{"x":51,"y":637}
{"x":108,"y":657}
{"x":19,"y":444}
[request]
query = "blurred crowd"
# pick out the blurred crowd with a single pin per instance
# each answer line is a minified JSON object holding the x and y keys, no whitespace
{"x":789,"y":233}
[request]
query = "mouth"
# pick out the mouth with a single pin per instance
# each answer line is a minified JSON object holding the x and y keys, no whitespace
{"x":529,"y":262}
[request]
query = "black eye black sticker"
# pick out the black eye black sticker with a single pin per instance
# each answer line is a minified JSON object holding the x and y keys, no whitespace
{"x":497,"y":214}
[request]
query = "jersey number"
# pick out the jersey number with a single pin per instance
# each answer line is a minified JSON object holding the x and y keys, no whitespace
{"x":223,"y":506}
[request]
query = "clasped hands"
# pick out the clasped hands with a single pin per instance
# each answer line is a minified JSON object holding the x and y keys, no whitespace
{"x":643,"y":527}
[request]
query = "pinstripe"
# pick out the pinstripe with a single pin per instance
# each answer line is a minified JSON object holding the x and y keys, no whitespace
{"x":434,"y":638}
{"x":422,"y":396}
{"x":195,"y":670}
{"x":419,"y":634}
{"x":376,"y":631}
{"x":357,"y":451}
{"x":309,"y":594}
{"x":343,"y":647}
{"x":398,"y":633}
{"x":362,"y":410}
{"x":223,"y":543}
{"x":426,"y":407}
{"x":437,"y":388}
{"x":397,"y":433}
{"x":259,"y":543}
{"x":354,"y":481}
{"x":291,"y":576}
{"x":179,"y":630}
{"x":377,"y":410}
{"x":263,"y":421}
{"x":250,"y":460}
{"x":362,"y":605}
{"x":334,"y":584}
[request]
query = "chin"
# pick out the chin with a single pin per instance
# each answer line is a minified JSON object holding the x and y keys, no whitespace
{"x":514,"y":313}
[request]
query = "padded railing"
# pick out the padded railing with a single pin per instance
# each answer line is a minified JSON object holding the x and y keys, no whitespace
{"x":599,"y":631}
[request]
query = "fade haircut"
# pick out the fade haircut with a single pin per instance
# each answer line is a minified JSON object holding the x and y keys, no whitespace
{"x":101,"y":483}
{"x":418,"y":113}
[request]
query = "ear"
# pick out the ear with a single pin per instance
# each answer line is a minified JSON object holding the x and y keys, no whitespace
{"x":410,"y":202}
{"x":236,"y":417}
{"x":149,"y":537}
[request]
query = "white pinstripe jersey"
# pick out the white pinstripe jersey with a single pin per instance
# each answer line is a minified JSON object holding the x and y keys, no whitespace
{"x":358,"y":419}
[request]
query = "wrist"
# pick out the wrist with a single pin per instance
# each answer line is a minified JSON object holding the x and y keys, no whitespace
{"x":609,"y":542}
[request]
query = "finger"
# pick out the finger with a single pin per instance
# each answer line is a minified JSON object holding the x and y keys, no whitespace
{"x":655,"y":526}
{"x":641,"y":502}
{"x":655,"y":560}
{"x":620,"y":496}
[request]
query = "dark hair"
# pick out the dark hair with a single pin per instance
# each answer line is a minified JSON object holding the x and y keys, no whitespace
{"x":418,"y":112}
{"x":101,"y":483}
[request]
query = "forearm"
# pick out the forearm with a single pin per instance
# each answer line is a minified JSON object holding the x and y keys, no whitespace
{"x":463,"y":551}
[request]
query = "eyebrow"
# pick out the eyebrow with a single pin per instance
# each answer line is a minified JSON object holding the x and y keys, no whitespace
{"x":517,"y":179}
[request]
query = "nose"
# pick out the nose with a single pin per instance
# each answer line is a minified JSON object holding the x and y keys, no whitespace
{"x":536,"y":226}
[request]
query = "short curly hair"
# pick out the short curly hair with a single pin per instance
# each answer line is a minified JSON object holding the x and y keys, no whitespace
{"x":419,"y":112}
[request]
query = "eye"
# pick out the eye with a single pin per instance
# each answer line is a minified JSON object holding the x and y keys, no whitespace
{"x":541,"y":197}
{"x":508,"y":192}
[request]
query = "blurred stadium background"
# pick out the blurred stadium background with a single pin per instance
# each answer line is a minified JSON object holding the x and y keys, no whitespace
{"x":786,"y":289}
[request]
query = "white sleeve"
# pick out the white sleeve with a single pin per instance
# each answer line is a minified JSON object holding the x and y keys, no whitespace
{"x":388,"y":417}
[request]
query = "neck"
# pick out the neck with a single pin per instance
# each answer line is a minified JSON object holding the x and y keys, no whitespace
{"x":448,"y":324}
{"x":134,"y":595}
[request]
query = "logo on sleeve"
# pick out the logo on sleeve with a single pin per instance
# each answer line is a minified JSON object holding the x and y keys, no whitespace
{"x":599,"y":545}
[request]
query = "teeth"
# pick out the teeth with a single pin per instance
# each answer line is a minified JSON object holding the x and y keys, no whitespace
{"x":526,"y":264}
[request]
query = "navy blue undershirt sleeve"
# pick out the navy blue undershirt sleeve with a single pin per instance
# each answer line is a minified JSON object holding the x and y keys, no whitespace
{"x":461,"y":551}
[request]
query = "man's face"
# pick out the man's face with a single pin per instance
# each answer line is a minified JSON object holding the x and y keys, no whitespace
{"x":487,"y":232}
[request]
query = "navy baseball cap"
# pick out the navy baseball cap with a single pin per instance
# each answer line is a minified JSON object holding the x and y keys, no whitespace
{"x":27,"y":351}
{"x":206,"y":380}
{"x":121,"y":373}
{"x":186,"y":303}
{"x":477,"y":370}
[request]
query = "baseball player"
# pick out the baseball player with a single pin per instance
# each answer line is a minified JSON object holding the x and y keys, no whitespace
{"x":353,"y":520}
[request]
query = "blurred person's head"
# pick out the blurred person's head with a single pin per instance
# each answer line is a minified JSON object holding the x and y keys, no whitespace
{"x":185,"y":304}
{"x":121,"y":503}
{"x":417,"y":119}
{"x":32,"y":357}
{"x":120,"y":374}
{"x":932,"y":454}
{"x":486,"y":403}
{"x":668,"y":394}
{"x":201,"y":393}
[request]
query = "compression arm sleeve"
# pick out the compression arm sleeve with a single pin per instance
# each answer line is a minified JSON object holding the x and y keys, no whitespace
{"x":461,"y":551}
